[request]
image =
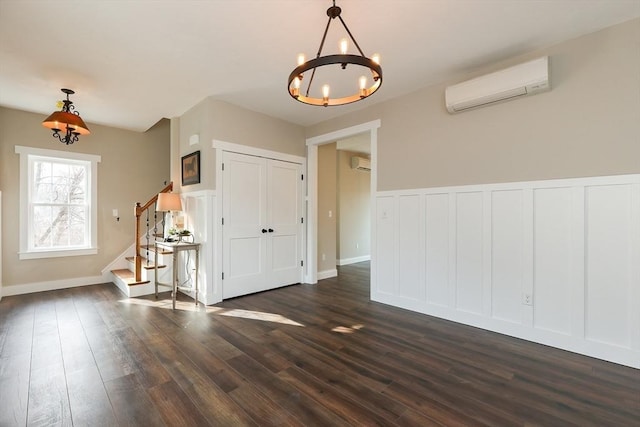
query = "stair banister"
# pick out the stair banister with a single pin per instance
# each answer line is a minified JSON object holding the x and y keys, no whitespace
{"x":138,"y":212}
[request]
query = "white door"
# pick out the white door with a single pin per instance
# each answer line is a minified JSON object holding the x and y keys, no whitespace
{"x":284,"y":219}
{"x":261,"y":232}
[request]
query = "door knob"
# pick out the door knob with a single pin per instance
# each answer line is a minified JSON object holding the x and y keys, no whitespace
{"x":264,"y":230}
{"x":271,"y":230}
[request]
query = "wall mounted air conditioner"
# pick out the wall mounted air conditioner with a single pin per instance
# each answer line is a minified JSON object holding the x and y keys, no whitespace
{"x":360,"y":163}
{"x":520,"y":80}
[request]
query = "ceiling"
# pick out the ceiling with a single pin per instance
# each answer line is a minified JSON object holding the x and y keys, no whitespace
{"x":134,"y":62}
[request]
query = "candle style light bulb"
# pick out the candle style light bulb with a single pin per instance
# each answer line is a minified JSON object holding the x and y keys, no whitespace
{"x":363,"y":86}
{"x":296,"y":87}
{"x":344,"y":46}
{"x":301,"y":60}
{"x":325,"y":95}
{"x":376,"y":58}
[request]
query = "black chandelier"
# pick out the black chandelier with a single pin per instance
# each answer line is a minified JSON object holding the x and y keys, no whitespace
{"x":67,"y":121}
{"x":371,"y":64}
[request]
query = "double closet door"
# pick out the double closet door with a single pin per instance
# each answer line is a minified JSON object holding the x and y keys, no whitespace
{"x":262,"y":224}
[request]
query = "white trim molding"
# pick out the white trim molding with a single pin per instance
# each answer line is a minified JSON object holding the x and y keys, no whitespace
{"x":354,"y":260}
{"x":214,"y":213}
{"x":29,"y":288}
{"x":90,"y":161}
{"x":327,"y":274}
{"x":258,"y":152}
{"x":553,"y":262}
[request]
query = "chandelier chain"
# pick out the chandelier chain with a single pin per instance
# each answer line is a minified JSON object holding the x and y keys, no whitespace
{"x":350,"y":35}
{"x":324,"y":37}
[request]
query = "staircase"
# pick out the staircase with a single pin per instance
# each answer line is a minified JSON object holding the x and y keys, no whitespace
{"x":134,"y":273}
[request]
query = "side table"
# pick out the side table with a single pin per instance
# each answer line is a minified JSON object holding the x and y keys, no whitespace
{"x":176,"y":248}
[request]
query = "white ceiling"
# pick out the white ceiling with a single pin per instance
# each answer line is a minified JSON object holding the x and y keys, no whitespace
{"x":134,"y":62}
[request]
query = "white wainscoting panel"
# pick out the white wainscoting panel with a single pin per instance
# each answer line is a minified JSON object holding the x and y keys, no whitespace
{"x":437,"y":249}
{"x":555,"y":262}
{"x":608,"y":284}
{"x":200,"y":211}
{"x":507,"y":255}
{"x":410,"y":243}
{"x":552,"y":259}
{"x":386,"y":262}
{"x":469,"y":252}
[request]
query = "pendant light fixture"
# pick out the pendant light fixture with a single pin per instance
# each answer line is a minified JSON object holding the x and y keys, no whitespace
{"x":368,"y":83}
{"x":67,"y":121}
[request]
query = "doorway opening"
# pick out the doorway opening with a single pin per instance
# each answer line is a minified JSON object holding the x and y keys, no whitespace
{"x":344,"y":204}
{"x":364,"y":132}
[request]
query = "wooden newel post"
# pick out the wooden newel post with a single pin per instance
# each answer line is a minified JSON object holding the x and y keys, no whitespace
{"x":138,"y":259}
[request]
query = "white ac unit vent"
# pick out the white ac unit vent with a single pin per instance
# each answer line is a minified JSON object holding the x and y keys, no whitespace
{"x":520,"y":80}
{"x":360,"y":163}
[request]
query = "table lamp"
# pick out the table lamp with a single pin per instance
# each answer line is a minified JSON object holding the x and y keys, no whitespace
{"x":168,"y":202}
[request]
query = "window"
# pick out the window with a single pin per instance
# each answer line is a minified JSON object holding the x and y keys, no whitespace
{"x":58,"y":193}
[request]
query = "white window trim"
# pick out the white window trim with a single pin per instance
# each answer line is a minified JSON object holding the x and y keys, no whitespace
{"x":24,"y":153}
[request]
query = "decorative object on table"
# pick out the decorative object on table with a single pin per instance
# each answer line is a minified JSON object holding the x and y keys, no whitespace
{"x":368,"y":82}
{"x":67,"y":121}
{"x":191,"y":168}
{"x":179,"y":235}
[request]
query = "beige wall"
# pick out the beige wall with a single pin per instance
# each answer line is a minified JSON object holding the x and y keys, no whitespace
{"x":213,"y":119}
{"x":134,"y":166}
{"x":587,"y":125}
{"x":354,"y":209}
{"x":327,"y":201}
{"x":346,"y":193}
{"x":193,"y":122}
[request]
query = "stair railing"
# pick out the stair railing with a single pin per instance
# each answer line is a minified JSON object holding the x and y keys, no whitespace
{"x":139,"y":209}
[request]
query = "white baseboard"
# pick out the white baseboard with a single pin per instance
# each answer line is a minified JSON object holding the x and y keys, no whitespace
{"x":29,"y":288}
{"x":347,"y":261}
{"x":326,"y":274}
{"x":599,"y":350}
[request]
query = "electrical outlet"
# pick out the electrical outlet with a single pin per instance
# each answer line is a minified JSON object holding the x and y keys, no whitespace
{"x":527,"y":299}
{"x":357,"y":245}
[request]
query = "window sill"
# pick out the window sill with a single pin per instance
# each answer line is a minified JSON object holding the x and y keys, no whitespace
{"x":57,"y":253}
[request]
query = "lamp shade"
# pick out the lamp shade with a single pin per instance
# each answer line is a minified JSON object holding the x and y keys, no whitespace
{"x":169,"y":202}
{"x":61,"y":120}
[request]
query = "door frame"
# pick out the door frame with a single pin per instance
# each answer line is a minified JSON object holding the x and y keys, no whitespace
{"x":220,"y":146}
{"x":311,"y":270}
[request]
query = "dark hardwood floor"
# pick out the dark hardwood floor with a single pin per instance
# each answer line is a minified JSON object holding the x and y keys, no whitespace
{"x":302,"y":355}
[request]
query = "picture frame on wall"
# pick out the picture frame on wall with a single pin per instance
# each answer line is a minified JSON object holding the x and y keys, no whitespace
{"x":191,"y":168}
